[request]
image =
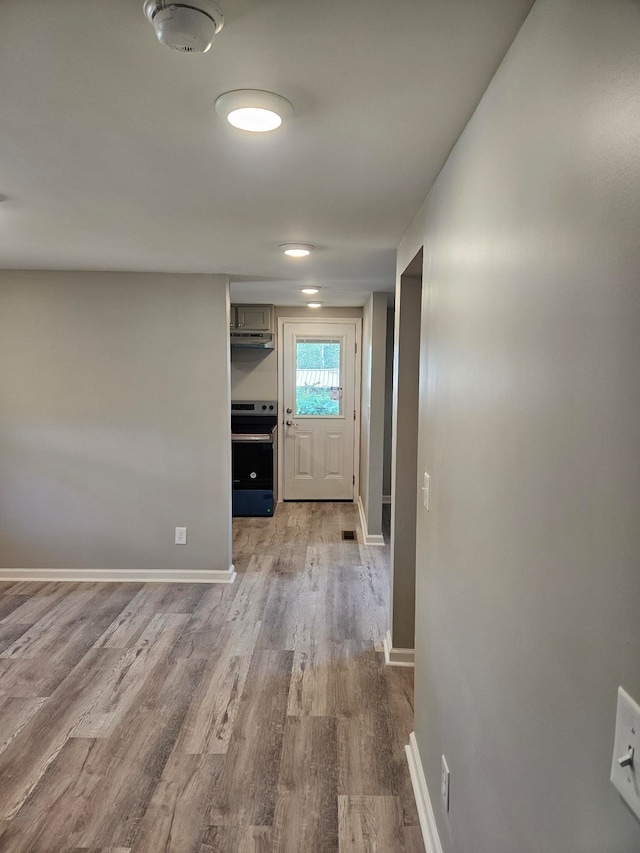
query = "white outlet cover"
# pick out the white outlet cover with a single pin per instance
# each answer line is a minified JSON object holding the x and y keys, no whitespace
{"x":626,"y":780}
{"x":181,"y":535}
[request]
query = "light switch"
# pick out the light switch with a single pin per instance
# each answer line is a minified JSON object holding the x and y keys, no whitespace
{"x":444,"y":783}
{"x":625,"y":767}
{"x":426,"y":488}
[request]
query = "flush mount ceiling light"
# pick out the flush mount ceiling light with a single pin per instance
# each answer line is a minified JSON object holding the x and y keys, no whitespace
{"x":253,"y":109}
{"x":314,"y":304}
{"x":309,"y":290}
{"x":297,"y":250}
{"x":189,"y":26}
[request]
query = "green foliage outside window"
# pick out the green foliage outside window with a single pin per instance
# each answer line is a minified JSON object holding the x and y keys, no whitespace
{"x":313,"y":400}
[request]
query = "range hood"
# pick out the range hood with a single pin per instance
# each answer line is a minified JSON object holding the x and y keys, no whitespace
{"x":252,"y":340}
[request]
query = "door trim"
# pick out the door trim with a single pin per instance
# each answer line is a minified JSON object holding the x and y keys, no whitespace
{"x":357,"y":393}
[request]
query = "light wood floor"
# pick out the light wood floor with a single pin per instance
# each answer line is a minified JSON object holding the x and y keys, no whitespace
{"x":257,"y":716}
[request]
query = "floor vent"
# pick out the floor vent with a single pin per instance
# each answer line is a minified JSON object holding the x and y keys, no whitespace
{"x":349,"y":536}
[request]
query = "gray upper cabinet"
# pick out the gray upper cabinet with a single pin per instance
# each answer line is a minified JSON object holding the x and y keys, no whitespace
{"x":252,"y":318}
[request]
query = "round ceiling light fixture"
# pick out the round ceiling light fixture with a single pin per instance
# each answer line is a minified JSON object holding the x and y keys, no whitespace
{"x":254,"y":110}
{"x":189,"y":26}
{"x":297,"y":250}
{"x":314,"y":304}
{"x":309,"y":290}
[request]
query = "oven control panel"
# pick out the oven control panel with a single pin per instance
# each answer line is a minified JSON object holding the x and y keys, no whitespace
{"x":254,"y":407}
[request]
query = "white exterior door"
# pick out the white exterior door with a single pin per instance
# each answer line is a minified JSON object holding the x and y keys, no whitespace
{"x":319,"y":402}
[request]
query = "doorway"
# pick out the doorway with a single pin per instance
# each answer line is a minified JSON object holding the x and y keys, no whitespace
{"x":320,"y":409}
{"x":406,"y":480}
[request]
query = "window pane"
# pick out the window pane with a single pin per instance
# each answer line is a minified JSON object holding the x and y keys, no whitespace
{"x":318,"y":390}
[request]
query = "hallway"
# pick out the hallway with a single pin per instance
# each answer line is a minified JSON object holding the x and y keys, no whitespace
{"x":255,"y":716}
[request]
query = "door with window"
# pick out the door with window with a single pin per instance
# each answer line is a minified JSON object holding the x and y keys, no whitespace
{"x":319,"y":401}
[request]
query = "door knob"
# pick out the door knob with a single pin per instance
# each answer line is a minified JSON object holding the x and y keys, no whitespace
{"x":289,"y":410}
{"x":292,"y":423}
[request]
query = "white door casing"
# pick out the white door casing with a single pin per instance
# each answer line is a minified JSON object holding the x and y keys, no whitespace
{"x":319,"y":446}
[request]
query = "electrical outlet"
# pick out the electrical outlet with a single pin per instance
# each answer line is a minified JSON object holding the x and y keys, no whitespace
{"x":444,"y":784}
{"x":181,"y":535}
{"x":426,"y":489}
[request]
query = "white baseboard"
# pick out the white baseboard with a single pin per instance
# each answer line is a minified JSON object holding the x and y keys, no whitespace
{"x":423,"y":800}
{"x":386,"y":499}
{"x":369,"y":538}
{"x":397,"y":657}
{"x":121,"y":575}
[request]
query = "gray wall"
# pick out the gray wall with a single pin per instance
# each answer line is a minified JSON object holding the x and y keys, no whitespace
{"x":114,"y":424}
{"x":317,"y":313}
{"x":528,"y":562}
{"x":374,"y":348}
{"x":254,"y":374}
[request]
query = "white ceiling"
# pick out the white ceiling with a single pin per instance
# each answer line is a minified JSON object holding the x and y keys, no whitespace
{"x":112,"y":157}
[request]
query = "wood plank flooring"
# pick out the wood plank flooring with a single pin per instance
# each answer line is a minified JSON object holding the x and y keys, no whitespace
{"x":256,"y":717}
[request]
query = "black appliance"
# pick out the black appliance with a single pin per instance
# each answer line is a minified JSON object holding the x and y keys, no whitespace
{"x":254,"y":449}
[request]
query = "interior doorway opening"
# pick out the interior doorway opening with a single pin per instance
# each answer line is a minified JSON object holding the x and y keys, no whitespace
{"x":388,"y":425}
{"x":400,"y":639}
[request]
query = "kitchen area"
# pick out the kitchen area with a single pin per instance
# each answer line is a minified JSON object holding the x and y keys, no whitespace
{"x":255,"y":400}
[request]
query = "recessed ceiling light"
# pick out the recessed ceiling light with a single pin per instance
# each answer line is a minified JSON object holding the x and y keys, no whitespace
{"x":297,"y":250}
{"x":309,"y":290}
{"x":253,"y":109}
{"x":314,"y":304}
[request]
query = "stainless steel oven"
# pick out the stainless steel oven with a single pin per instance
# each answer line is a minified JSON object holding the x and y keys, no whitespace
{"x":254,"y":448}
